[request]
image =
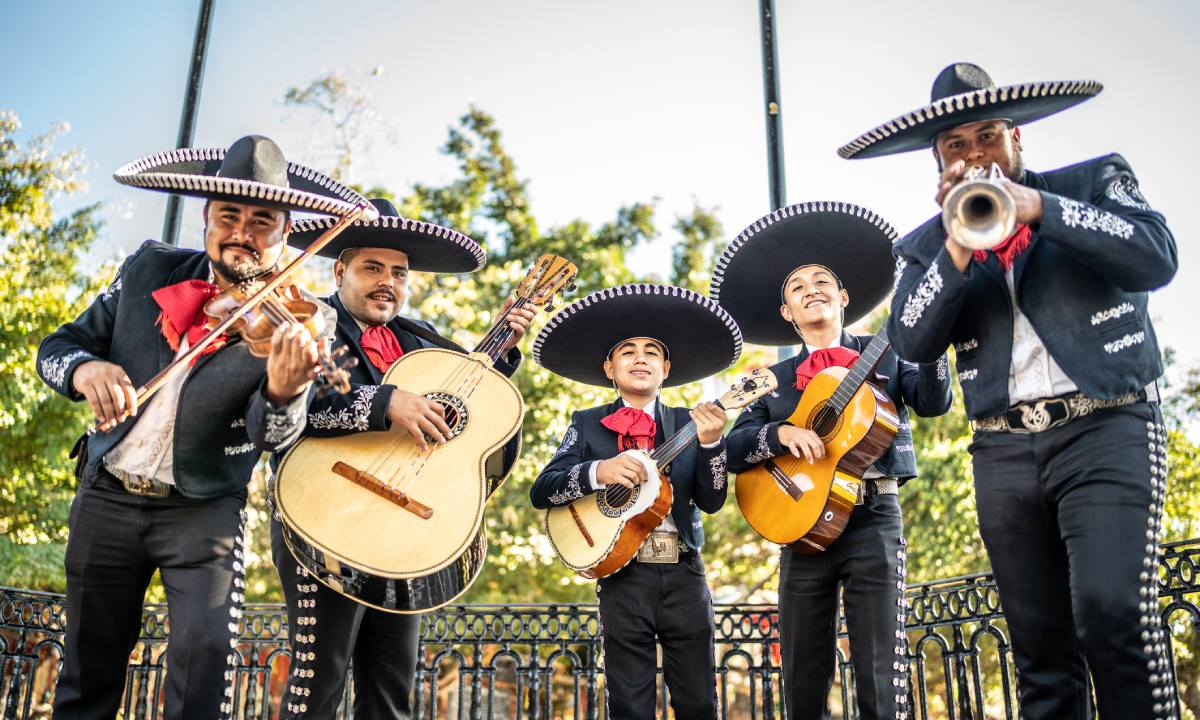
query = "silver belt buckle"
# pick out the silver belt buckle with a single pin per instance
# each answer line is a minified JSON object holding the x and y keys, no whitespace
{"x":141,"y":486}
{"x":659,"y":547}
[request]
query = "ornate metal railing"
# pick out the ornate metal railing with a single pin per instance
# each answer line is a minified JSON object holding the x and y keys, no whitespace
{"x":543,"y":661}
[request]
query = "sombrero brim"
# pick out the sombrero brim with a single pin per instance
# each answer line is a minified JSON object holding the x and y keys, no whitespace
{"x":192,"y":172}
{"x":1020,"y":104}
{"x":853,"y":242}
{"x":429,"y":247}
{"x":701,"y":337}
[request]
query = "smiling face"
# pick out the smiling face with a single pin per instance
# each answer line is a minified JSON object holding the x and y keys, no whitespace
{"x":638,"y":366}
{"x":372,"y":283}
{"x":812,"y":299}
{"x":243,"y":241}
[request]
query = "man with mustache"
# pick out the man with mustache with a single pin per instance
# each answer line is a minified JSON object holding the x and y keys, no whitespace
{"x":804,"y":273}
{"x":163,"y":486}
{"x":638,"y":339}
{"x":1058,"y":363}
{"x":327,"y":629}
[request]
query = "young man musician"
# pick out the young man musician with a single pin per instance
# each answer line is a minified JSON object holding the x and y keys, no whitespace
{"x":638,"y":339}
{"x":162,"y":486}
{"x":328,"y":629}
{"x":1058,"y":360}
{"x":804,"y":273}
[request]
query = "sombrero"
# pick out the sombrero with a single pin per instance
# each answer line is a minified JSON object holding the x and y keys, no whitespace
{"x":964,"y":93}
{"x":700,"y":337}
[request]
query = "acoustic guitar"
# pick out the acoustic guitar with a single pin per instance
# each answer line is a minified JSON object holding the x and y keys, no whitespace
{"x":600,"y":533}
{"x":399,"y":528}
{"x":791,"y":501}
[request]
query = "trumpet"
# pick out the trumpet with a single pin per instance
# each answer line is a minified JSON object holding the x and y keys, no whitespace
{"x":978,"y":212}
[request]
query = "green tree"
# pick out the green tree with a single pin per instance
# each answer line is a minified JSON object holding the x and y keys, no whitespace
{"x":42,"y":285}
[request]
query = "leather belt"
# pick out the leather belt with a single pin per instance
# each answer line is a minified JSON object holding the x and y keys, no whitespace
{"x":878,"y":486}
{"x":142,"y":486}
{"x":662,"y":547}
{"x":1040,"y":415}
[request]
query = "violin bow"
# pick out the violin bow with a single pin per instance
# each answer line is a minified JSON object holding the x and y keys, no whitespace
{"x":156,"y":383}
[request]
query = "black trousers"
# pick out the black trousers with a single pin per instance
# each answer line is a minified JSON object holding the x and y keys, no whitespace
{"x":670,"y":602}
{"x":116,"y":542}
{"x":867,"y":562}
{"x":1070,"y":518}
{"x":327,"y":630}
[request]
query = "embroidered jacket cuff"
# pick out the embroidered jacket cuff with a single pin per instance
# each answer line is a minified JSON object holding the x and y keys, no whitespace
{"x":58,"y":371}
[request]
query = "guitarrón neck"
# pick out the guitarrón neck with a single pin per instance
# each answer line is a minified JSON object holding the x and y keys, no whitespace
{"x":677,"y":443}
{"x":500,"y":332}
{"x":859,"y":372}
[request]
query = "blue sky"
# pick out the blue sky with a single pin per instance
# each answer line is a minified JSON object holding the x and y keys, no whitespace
{"x":605,"y":104}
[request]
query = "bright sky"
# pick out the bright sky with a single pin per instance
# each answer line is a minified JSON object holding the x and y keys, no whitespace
{"x":610,"y":103}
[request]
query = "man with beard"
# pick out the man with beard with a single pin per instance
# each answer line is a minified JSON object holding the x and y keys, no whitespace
{"x":162,"y":487}
{"x":1058,"y":363}
{"x":802,"y":274}
{"x":327,"y":629}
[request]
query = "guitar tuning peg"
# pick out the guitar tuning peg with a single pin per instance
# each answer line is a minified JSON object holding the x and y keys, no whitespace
{"x":570,"y":288}
{"x":550,"y":307}
{"x":349,"y":364}
{"x":342,"y":350}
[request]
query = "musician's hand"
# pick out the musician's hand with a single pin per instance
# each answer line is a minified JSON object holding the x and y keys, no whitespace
{"x":419,"y":416}
{"x":802,"y":441}
{"x":518,"y":321}
{"x":951,"y":175}
{"x":292,"y":364}
{"x":1028,"y":202}
{"x":108,"y":390}
{"x":624,"y":469}
{"x":710,"y":421}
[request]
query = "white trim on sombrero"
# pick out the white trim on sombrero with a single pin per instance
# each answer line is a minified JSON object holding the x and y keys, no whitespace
{"x":391,"y":222}
{"x":964,"y":101}
{"x":640,"y":289}
{"x":140,"y":173}
{"x":822,"y":206}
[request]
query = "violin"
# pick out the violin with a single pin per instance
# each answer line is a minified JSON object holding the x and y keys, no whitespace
{"x":280,"y":307}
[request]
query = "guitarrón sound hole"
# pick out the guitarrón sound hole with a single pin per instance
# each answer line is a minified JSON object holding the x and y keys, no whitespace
{"x":456,"y":411}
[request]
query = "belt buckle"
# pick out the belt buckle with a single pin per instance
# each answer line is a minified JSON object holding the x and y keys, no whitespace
{"x":659,"y":547}
{"x":144,"y":487}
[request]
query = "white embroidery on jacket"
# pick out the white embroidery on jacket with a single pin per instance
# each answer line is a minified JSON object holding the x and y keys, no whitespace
{"x":239,"y":423}
{"x":1112,"y":313}
{"x":943,"y":367}
{"x":922,"y":296}
{"x":239,"y":449}
{"x":572,"y":491}
{"x":901,"y":263}
{"x":762,"y":449}
{"x":963,"y":347}
{"x":113,"y":288}
{"x":55,"y":369}
{"x":1082,"y":215}
{"x":1125,"y":191}
{"x":568,"y":440}
{"x":356,"y":417}
{"x":967,"y":375}
{"x":278,"y":425}
{"x":1127,"y":341}
{"x":719,"y":473}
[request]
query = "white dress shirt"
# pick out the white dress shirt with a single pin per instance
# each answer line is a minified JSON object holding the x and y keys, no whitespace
{"x":1032,"y":374}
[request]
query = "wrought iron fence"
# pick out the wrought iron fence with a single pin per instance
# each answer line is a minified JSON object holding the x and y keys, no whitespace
{"x":543,"y":661}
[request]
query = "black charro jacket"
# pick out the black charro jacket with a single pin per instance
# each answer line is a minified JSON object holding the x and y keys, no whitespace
{"x":224,"y":421}
{"x":1083,"y":284}
{"x":925,"y":388}
{"x":698,"y":476}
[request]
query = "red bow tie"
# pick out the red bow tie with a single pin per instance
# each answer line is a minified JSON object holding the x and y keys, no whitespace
{"x":381,"y":346}
{"x":635,"y":429}
{"x":1007,"y":251}
{"x":182,"y":313}
{"x":818,"y":360}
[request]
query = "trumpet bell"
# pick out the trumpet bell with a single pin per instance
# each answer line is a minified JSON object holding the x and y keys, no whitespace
{"x":979,"y":213}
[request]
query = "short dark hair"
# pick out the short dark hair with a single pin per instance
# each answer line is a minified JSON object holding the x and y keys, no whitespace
{"x":348,"y":254}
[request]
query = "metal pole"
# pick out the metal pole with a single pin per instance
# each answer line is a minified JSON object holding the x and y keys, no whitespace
{"x":774,"y":115}
{"x":191,"y":105}
{"x":770,"y":61}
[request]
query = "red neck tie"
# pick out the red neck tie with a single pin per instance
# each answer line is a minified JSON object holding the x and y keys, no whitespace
{"x":182,"y":313}
{"x":818,"y":360}
{"x":634,"y":428}
{"x":381,"y":346}
{"x":1007,"y":251}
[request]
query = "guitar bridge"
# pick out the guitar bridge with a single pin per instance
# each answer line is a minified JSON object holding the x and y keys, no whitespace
{"x":382,"y":489}
{"x":794,"y":488}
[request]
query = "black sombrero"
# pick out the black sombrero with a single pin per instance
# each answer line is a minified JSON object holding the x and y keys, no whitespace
{"x":853,"y":242}
{"x":963,"y":93}
{"x":252,"y":171}
{"x":429,"y":247}
{"x":700,"y":337}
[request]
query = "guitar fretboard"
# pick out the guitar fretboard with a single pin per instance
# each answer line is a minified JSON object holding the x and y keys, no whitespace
{"x":859,"y":372}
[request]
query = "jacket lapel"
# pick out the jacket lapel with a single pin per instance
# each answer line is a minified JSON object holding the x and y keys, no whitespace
{"x":348,"y":329}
